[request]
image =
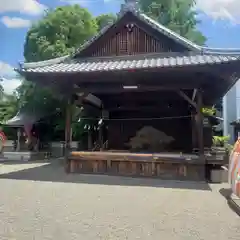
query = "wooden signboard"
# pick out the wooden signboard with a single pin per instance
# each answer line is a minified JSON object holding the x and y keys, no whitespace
{"x":234,"y":169}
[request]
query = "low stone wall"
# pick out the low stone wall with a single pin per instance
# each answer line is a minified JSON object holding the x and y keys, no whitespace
{"x":24,"y":156}
{"x":57,"y":148}
{"x":8,"y":146}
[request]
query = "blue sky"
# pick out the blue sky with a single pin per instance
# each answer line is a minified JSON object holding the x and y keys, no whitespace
{"x":220,"y":24}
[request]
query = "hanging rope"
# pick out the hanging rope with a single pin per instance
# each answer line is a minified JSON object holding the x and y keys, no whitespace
{"x":137,"y":119}
{"x":125,"y":119}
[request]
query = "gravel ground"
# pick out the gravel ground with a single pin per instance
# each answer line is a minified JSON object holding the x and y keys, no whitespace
{"x":38,"y":201}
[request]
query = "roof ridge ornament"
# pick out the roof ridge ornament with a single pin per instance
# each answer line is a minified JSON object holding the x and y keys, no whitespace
{"x":129,"y":6}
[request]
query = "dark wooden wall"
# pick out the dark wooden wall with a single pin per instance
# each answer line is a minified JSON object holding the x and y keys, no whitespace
{"x":120,"y":132}
{"x":131,"y":36}
{"x":131,"y":41}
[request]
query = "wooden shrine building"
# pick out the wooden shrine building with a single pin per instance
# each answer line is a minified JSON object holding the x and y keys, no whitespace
{"x":149,"y":85}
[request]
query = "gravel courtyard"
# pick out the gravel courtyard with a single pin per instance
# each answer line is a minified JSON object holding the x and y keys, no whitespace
{"x":38,"y":201}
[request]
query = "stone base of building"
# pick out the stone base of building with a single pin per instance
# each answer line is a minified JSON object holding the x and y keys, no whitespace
{"x":163,"y":166}
{"x":24,"y":156}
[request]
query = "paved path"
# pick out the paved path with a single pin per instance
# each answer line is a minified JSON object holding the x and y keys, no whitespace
{"x":38,"y":202}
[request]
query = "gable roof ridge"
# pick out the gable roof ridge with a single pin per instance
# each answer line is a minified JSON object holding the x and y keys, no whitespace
{"x":168,"y":32}
{"x":95,"y":37}
{"x":221,"y":51}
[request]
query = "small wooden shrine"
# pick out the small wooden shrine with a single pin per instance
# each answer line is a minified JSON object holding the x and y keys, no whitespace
{"x":149,"y":85}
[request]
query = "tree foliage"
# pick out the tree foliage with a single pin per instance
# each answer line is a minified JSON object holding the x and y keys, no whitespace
{"x":46,"y":100}
{"x":9,"y":106}
{"x":104,"y":20}
{"x":1,"y":92}
{"x":209,"y":111}
{"x":177,"y":15}
{"x":59,"y":33}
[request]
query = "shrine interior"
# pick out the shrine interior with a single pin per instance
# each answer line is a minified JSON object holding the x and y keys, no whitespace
{"x":158,"y":121}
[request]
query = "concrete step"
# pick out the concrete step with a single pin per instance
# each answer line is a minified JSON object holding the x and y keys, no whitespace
{"x":219,"y":175}
{"x":24,"y":156}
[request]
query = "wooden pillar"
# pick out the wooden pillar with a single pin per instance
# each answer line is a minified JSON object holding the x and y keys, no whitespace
{"x":68,"y":128}
{"x":90,"y":146}
{"x":18,"y":139}
{"x":100,"y":131}
{"x":100,"y":137}
{"x":194,"y":135}
{"x":200,"y":123}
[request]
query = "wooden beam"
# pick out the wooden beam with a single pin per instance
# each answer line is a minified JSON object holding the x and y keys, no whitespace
{"x":184,"y":96}
{"x":68,"y":128}
{"x":139,"y":97}
{"x":200,"y":124}
{"x":139,"y":108}
{"x":161,"y":103}
{"x":105,"y":89}
{"x":194,"y":94}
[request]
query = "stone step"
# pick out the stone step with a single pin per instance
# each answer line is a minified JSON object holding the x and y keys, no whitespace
{"x":23,"y":156}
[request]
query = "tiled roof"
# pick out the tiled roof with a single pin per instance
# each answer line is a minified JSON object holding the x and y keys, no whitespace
{"x":236,"y":122}
{"x":54,"y":63}
{"x":154,"y":24}
{"x":128,"y":63}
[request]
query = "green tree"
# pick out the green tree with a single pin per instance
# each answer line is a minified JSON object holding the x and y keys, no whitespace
{"x":1,"y":91}
{"x":59,"y":33}
{"x":105,"y":19}
{"x":177,"y":15}
{"x":9,"y":106}
{"x":42,"y":100}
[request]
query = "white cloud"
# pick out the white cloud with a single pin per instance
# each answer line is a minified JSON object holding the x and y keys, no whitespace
{"x":8,"y":78}
{"x":30,"y":7}
{"x":221,"y":9}
{"x":9,"y":85}
{"x":15,"y":22}
{"x":216,"y":9}
{"x":84,"y":2}
{"x":6,"y":70}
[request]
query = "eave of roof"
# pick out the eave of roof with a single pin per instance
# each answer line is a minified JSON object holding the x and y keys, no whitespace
{"x":235,"y":123}
{"x":129,"y":62}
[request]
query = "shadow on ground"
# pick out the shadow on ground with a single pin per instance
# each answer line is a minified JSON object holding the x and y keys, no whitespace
{"x":54,"y":172}
{"x":226,"y":193}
